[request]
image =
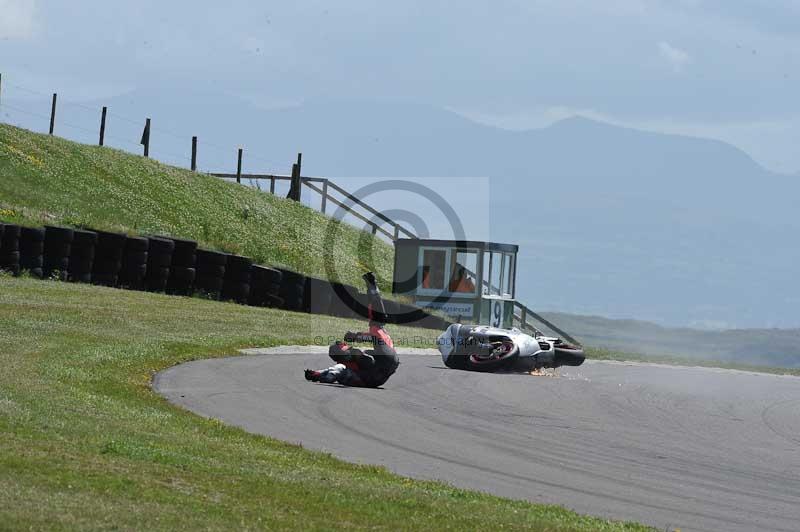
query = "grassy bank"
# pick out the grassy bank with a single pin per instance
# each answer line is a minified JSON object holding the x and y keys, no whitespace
{"x":49,"y":180}
{"x":86,"y":444}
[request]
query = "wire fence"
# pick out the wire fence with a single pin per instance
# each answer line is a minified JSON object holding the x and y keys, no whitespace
{"x":100,"y":124}
{"x":44,"y":113}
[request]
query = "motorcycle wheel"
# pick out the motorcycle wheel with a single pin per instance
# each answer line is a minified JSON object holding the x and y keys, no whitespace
{"x":477,"y":363}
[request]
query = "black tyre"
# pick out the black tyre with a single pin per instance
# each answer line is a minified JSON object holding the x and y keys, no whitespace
{"x":80,"y":278}
{"x":156,"y":283}
{"x":31,"y":248}
{"x":9,"y":242}
{"x":104,"y":266}
{"x":81,"y":255}
{"x":182,"y":276}
{"x":83,"y":247}
{"x":79,"y":266}
{"x":180,"y":280}
{"x":53,"y":233}
{"x":317,"y":296}
{"x":235,"y":291}
{"x":211,"y":285}
{"x":293,"y":303}
{"x":134,"y":271}
{"x":158,"y":260}
{"x":135,"y":257}
{"x":110,"y":246}
{"x":292,"y":278}
{"x":292,"y":284}
{"x":84,"y":239}
{"x":273,"y":301}
{"x":256,"y":297}
{"x":31,"y":235}
{"x":136,"y":244}
{"x":36,"y":273}
{"x":13,"y":269}
{"x":57,"y":249}
{"x":266,"y":275}
{"x":211,"y":270}
{"x":343,"y":300}
{"x":103,"y":279}
{"x":567,"y":354}
{"x":160,"y":246}
{"x":237,"y":265}
{"x":9,"y":257}
{"x":205,"y":257}
{"x":157,"y":273}
{"x":52,"y":264}
{"x":30,"y":262}
{"x":184,"y":253}
{"x":273,"y":289}
{"x":133,"y":277}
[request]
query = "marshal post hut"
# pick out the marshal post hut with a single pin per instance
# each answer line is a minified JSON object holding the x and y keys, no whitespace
{"x":470,"y":281}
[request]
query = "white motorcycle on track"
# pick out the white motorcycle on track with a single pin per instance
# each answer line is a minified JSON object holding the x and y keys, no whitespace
{"x":483,"y":348}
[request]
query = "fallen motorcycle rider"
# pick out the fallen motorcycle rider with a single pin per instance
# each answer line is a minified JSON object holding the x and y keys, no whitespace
{"x":354,"y":367}
{"x":482,"y":348}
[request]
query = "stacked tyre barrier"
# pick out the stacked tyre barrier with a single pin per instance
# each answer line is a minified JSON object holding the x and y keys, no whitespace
{"x":236,"y":286}
{"x":108,"y":255}
{"x":81,"y":256}
{"x":57,"y":248}
{"x":210,"y":272}
{"x":134,"y":263}
{"x":265,"y":287}
{"x":293,"y":286}
{"x":177,"y":266}
{"x":344,"y":301}
{"x":31,"y":250}
{"x":9,"y":248}
{"x":182,"y":269}
{"x":317,"y":296}
{"x":159,"y":259}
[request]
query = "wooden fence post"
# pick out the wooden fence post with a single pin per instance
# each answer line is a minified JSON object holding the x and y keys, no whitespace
{"x":103,"y":125}
{"x":293,"y":184}
{"x":396,"y":231}
{"x":146,"y":138}
{"x":298,"y":179}
{"x":239,"y":167}
{"x":194,"y":154}
{"x":272,"y":185}
{"x":53,"y":114}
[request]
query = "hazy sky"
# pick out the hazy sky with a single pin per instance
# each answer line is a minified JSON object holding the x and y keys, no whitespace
{"x":728,"y":69}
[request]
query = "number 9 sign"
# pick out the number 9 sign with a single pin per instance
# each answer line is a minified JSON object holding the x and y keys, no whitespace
{"x":497,"y":313}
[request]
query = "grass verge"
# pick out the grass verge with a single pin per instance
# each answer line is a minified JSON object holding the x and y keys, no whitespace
{"x":86,"y":444}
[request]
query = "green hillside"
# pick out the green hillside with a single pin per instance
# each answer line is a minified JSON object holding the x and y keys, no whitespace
{"x":49,"y":180}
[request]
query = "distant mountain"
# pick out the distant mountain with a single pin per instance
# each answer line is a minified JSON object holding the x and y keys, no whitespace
{"x":611,"y":221}
{"x":754,"y":347}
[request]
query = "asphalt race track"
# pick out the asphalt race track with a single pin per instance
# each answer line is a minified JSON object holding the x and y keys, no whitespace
{"x":689,"y":448}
